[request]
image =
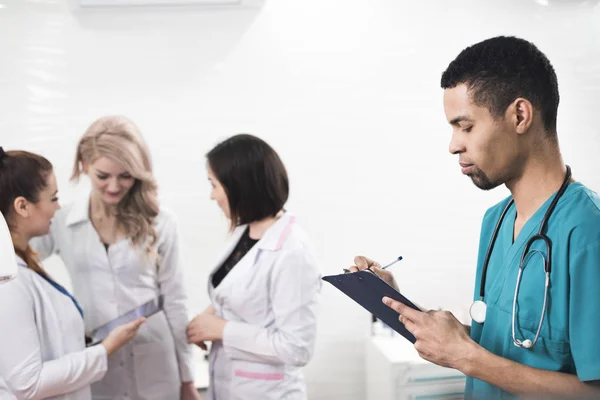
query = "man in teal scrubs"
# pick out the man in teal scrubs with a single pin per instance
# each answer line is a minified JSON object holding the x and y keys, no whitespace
{"x":501,"y":99}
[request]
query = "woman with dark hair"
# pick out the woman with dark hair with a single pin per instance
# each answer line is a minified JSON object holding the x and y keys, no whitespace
{"x":42,"y":346}
{"x":262,"y":321}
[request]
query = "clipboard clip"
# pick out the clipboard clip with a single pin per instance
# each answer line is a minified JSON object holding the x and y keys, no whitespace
{"x":347,"y":271}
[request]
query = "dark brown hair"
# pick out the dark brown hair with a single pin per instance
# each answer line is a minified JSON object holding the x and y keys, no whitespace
{"x":22,"y":174}
{"x":253,"y":176}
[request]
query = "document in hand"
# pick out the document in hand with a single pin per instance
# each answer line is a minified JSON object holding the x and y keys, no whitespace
{"x":368,"y":290}
{"x":147,"y":309}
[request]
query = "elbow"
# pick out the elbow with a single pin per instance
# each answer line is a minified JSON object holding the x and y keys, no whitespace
{"x":297,"y":349}
{"x":298,"y":356}
{"x":301,"y":361}
{"x":25,"y":393}
{"x":23,"y":387}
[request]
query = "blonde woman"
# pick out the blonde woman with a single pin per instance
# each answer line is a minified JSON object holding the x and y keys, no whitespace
{"x":122,"y":250}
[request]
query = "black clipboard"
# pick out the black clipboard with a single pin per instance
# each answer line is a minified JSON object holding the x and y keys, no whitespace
{"x":367,"y":289}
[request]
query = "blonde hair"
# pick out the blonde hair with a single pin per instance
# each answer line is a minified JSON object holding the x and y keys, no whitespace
{"x":118,"y":138}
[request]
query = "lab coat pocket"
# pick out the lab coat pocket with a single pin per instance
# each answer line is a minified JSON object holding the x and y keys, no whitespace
{"x":548,"y":354}
{"x":156,"y":370}
{"x":256,"y":380}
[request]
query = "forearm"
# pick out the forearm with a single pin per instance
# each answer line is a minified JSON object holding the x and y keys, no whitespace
{"x":522,"y":380}
{"x":60,"y":376}
{"x":175,"y":310}
{"x":177,"y":318}
{"x":268,"y":345}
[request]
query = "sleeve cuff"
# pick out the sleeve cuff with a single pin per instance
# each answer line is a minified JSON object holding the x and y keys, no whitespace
{"x":187,"y":371}
{"x":588,"y":372}
{"x":100,"y":361}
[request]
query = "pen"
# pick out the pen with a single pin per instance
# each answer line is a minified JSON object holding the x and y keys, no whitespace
{"x":392,"y":263}
{"x":347,"y":271}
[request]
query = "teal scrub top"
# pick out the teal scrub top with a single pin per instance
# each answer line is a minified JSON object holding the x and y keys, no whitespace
{"x":569,"y":339}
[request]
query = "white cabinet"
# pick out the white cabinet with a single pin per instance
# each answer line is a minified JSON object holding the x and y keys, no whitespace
{"x":396,"y":372}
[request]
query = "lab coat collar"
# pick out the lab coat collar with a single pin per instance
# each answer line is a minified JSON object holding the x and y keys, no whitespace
{"x":80,"y":210}
{"x":277,"y":233}
{"x":21,"y":262}
{"x":272,"y":240}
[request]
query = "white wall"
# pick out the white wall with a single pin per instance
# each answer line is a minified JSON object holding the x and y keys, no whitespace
{"x":347,"y":91}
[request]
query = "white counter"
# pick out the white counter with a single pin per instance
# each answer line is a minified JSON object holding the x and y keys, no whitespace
{"x":396,"y":372}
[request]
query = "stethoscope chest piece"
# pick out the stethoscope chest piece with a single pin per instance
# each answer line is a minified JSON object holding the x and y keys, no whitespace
{"x":477,"y":311}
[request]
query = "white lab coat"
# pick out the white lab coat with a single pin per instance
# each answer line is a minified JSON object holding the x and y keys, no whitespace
{"x":8,"y":266}
{"x":269,"y":300}
{"x":108,"y":284}
{"x":42,"y":346}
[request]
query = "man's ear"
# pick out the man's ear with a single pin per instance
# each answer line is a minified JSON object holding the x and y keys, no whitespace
{"x":520,"y":113}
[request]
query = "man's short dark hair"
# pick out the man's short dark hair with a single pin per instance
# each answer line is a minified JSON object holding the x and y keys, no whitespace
{"x":499,"y":70}
{"x":253,"y":176}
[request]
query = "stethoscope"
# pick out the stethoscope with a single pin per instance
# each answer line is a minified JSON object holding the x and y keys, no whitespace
{"x":478,"y":308}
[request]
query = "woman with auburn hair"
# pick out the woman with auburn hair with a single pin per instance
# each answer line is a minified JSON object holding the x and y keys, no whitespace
{"x":42,"y":346}
{"x":122,"y":250}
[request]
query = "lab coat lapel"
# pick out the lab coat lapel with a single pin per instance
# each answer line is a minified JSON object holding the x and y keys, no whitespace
{"x":79,"y":222}
{"x":272,"y":240}
{"x":235,"y":238}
